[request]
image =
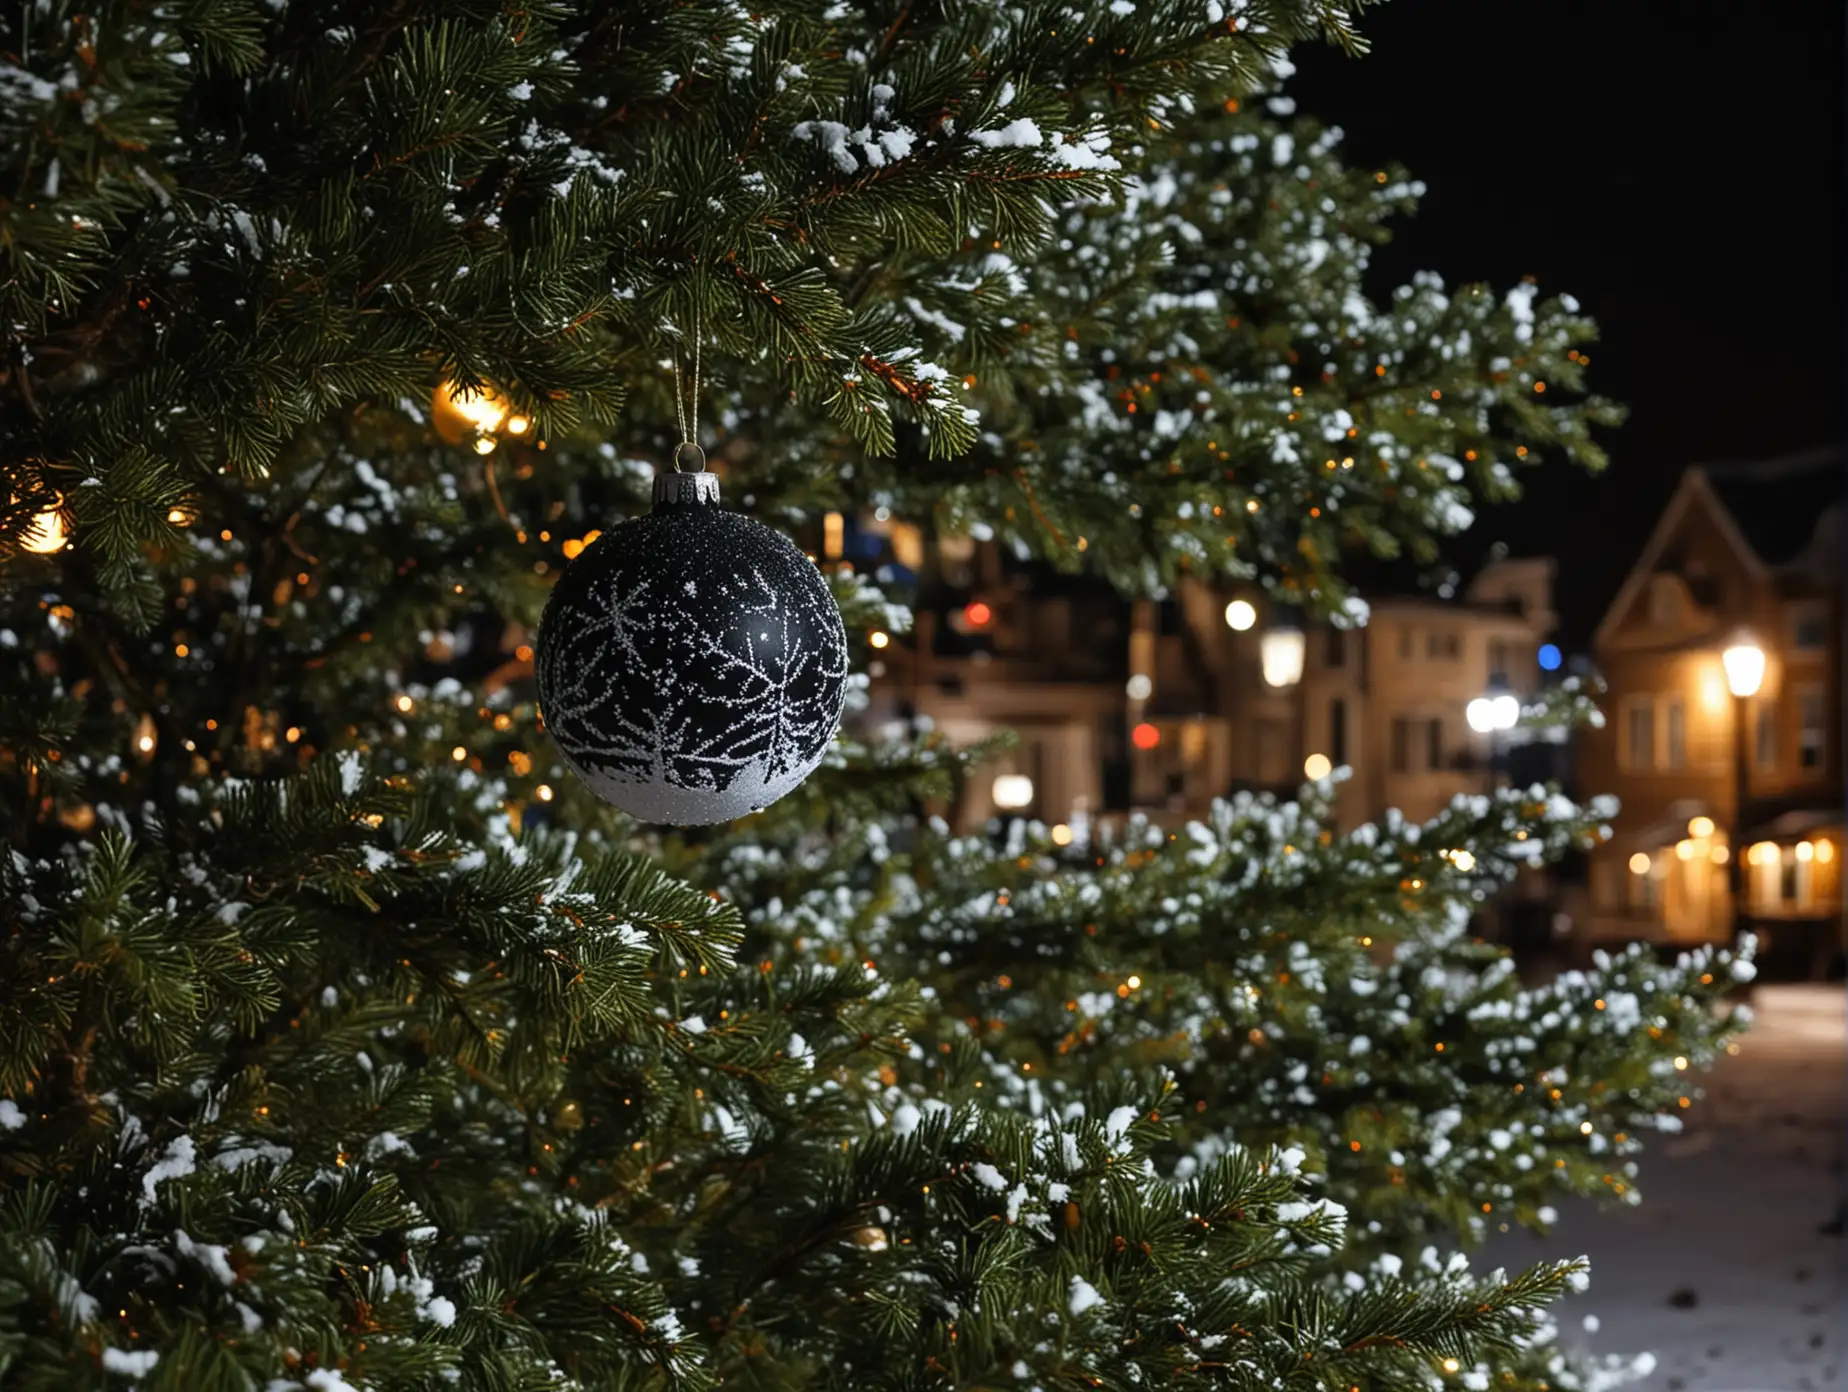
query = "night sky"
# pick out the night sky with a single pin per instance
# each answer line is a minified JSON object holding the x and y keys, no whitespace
{"x":1677,"y":167}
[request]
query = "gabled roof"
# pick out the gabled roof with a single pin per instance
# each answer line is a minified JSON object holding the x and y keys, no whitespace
{"x":1776,"y":502}
{"x":1767,"y":510}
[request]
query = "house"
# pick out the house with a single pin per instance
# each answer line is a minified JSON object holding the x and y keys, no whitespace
{"x":1731,"y":804}
{"x":1162,"y":706}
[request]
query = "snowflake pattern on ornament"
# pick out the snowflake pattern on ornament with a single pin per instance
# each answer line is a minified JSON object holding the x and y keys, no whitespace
{"x":692,"y":665}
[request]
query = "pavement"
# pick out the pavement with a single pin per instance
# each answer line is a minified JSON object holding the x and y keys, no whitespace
{"x":1728,"y":1271}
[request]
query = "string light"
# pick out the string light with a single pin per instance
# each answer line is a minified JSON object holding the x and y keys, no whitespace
{"x":878,"y":639}
{"x":47,"y":535}
{"x":544,"y":791}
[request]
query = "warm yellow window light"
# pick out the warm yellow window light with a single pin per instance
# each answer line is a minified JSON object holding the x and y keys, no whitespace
{"x":1280,"y":653}
{"x":1805,"y":852}
{"x":1684,"y":850}
{"x":1744,"y":662}
{"x":1825,"y":851}
{"x":1639,"y":863}
{"x":1720,"y":855}
{"x":1700,"y":828}
{"x":1764,"y":853}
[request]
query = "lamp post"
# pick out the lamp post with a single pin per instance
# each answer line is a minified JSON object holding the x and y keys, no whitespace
{"x":1744,"y":662}
{"x":1494,"y":713}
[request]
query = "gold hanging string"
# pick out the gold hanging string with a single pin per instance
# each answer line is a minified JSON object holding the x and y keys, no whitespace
{"x":687,"y":392}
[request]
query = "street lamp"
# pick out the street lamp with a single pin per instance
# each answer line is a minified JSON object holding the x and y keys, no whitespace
{"x":1744,"y":662}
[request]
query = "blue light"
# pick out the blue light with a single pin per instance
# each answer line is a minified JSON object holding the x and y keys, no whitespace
{"x":1549,"y":657}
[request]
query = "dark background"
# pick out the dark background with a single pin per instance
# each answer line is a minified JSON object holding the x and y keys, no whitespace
{"x":1679,"y":167}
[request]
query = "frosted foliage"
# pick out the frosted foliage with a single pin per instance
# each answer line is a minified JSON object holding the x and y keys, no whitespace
{"x":692,"y":666}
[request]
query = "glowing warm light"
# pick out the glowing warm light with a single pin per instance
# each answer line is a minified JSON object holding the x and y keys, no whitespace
{"x":1317,"y":766}
{"x":178,"y":516}
{"x":1700,"y":828}
{"x":1721,"y":855}
{"x":1451,"y":1365}
{"x":518,"y":425}
{"x":458,"y":414}
{"x":1639,"y":863}
{"x":1134,"y":983}
{"x":1139,"y":687}
{"x":545,"y":792}
{"x":1585,"y":1128}
{"x":1825,"y":852}
{"x":145,"y":744}
{"x":1505,"y":710}
{"x":1680,"y":1061}
{"x":484,"y":444}
{"x":1012,"y":791}
{"x":1744,"y":662}
{"x":458,"y":753}
{"x":1684,"y":850}
{"x":978,"y":614}
{"x":833,"y":535}
{"x":1463,"y":860}
{"x":1764,"y":853}
{"x":47,"y":535}
{"x":1280,"y":653}
{"x":405,"y":704}
{"x":878,"y":639}
{"x":1061,"y":835}
{"x":573,"y":549}
{"x":1145,"y":736}
{"x":1805,"y":852}
{"x":1240,"y":615}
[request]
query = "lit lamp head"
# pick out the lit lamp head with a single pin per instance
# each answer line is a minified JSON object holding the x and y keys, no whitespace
{"x":1744,"y":662}
{"x":1280,"y":653}
{"x":1493,"y":714}
{"x":1241,"y":614}
{"x":1012,"y":791}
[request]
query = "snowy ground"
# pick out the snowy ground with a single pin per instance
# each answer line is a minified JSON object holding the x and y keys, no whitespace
{"x":1723,"y":1270}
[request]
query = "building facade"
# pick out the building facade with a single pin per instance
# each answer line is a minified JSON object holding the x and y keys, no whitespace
{"x":1731,"y":804}
{"x":1161,"y":707}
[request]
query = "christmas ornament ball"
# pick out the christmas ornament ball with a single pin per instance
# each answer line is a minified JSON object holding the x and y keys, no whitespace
{"x":692,"y":663}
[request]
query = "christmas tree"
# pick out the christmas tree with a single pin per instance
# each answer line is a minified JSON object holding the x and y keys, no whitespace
{"x":348,"y":1042}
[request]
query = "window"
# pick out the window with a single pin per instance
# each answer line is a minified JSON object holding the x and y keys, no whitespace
{"x":1401,"y":744}
{"x":1674,"y":733}
{"x":1334,"y":652}
{"x":1642,"y":888}
{"x":1405,"y":644}
{"x":1809,"y":728}
{"x":1638,"y":733}
{"x":1441,"y":645}
{"x":1434,"y":744}
{"x":1766,"y":735}
{"x":1500,"y":668}
{"x":1664,"y":601}
{"x":1337,"y":732}
{"x":1809,"y":630}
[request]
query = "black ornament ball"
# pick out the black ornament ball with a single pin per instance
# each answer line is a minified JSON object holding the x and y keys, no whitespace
{"x":692,"y":663}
